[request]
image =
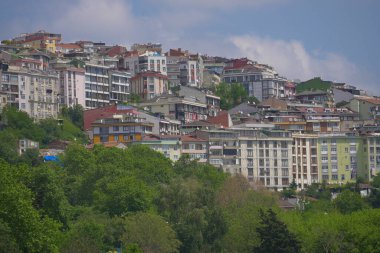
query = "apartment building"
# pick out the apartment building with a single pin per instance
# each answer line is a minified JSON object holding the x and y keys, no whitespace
{"x":206,"y":97}
{"x":305,"y":169}
{"x":174,"y":57}
{"x":189,"y":73}
{"x":169,"y":146}
{"x":31,"y":90}
{"x":149,"y":84}
{"x":135,"y":63}
{"x":71,"y":86}
{"x":373,"y":157}
{"x":39,"y":40}
{"x":97,"y":90}
{"x":120,"y":86}
{"x":120,"y":128}
{"x":266,"y":156}
{"x":223,"y":149}
{"x":259,"y":80}
{"x":195,"y":148}
{"x":183,"y":109}
{"x":341,"y":157}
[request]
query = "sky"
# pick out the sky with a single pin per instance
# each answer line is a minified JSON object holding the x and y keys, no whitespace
{"x":337,"y":40}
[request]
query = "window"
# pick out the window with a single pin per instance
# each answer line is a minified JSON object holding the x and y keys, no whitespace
{"x":325,"y":177}
{"x":250,"y":172}
{"x":116,"y":137}
{"x":116,"y":128}
{"x":250,"y":152}
{"x":334,"y":177}
{"x":333,"y":149}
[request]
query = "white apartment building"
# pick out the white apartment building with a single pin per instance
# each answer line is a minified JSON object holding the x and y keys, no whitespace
{"x":259,"y":80}
{"x":71,"y":86}
{"x":119,"y":86}
{"x":33,"y":91}
{"x":97,"y":84}
{"x":152,"y":61}
{"x":266,"y":157}
{"x":305,"y":159}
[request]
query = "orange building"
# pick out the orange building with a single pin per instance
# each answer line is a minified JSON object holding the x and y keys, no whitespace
{"x":120,"y":129}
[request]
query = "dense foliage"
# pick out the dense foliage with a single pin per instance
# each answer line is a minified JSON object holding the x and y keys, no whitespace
{"x":137,"y":200}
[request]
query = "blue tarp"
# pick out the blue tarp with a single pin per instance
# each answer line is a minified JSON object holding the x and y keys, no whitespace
{"x":51,"y":158}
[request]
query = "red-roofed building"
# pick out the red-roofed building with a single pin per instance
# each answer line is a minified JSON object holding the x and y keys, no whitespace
{"x":65,"y":48}
{"x":39,"y":40}
{"x":223,"y":119}
{"x":367,"y":107}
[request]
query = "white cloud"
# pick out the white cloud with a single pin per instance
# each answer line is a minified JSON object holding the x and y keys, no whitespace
{"x":97,"y":20}
{"x":291,"y":59}
{"x":217,"y":4}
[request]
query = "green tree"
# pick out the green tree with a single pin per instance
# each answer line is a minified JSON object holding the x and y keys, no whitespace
{"x":151,"y":233}
{"x":24,"y":225}
{"x":374,"y":198}
{"x":9,"y":146}
{"x":134,"y":98}
{"x":122,"y":195}
{"x":51,"y":130}
{"x":348,"y":202}
{"x":75,"y":114}
{"x":31,"y":157}
{"x":274,"y":235}
{"x":231,"y":94}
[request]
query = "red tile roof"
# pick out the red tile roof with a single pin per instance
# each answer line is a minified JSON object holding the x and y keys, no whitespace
{"x":189,"y":138}
{"x":223,"y":118}
{"x":68,"y":46}
{"x":372,"y":100}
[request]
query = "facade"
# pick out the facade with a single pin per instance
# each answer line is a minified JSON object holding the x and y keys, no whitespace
{"x":97,"y":90}
{"x":149,"y":84}
{"x":174,"y":57}
{"x":223,"y":149}
{"x":169,"y":146}
{"x":120,"y":128}
{"x":341,"y":157}
{"x":367,"y":107}
{"x":39,"y":40}
{"x":119,"y":86}
{"x":206,"y":97}
{"x":25,"y":144}
{"x":71,"y":86}
{"x":148,"y":61}
{"x":195,"y":148}
{"x":266,"y":157}
{"x":189,"y":73}
{"x":305,"y":159}
{"x":259,"y":80}
{"x":183,"y":109}
{"x":373,"y":157}
{"x":33,"y":91}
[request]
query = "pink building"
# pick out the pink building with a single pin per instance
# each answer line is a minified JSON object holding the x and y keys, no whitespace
{"x":149,"y":84}
{"x":71,"y":86}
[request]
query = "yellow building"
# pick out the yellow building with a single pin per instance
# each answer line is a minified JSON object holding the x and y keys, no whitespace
{"x":39,"y":40}
{"x":120,"y":129}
